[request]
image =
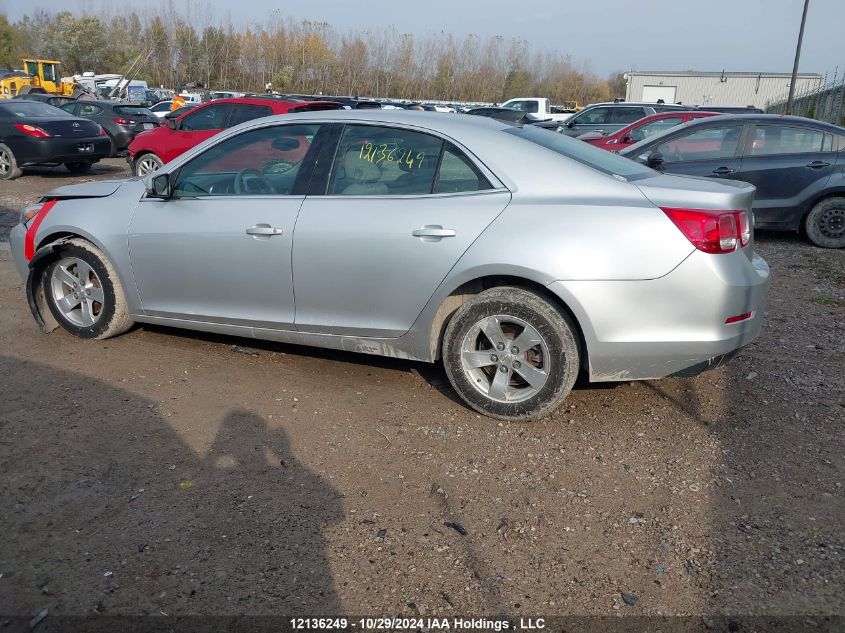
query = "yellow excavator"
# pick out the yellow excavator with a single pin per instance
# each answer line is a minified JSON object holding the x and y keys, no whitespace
{"x":38,"y":75}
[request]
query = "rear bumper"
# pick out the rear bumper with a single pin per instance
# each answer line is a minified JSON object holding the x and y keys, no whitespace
{"x":671,"y":326}
{"x":60,"y":150}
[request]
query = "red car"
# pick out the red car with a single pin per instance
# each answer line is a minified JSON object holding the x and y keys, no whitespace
{"x":645,"y":127}
{"x":150,"y":150}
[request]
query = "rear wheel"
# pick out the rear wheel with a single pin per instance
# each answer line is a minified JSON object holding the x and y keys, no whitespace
{"x":147,"y":164}
{"x":84,"y":293}
{"x":510,"y":354}
{"x":825,"y":224}
{"x":81,"y":167}
{"x":8,"y":165}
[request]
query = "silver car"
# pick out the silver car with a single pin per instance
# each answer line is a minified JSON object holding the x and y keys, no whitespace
{"x":516,"y":256}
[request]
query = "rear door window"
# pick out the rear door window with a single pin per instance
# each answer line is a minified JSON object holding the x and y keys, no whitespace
{"x":781,"y":139}
{"x":379,"y":161}
{"x":211,"y":117}
{"x":242,"y":113}
{"x":626,"y":114}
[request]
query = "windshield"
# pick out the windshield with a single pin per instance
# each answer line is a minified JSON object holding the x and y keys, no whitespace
{"x":586,"y":154}
{"x":25,"y":109}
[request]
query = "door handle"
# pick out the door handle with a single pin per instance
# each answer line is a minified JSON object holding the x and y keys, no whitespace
{"x":264,"y":229}
{"x":723,"y":171}
{"x":818,"y":164}
{"x":434,"y":230}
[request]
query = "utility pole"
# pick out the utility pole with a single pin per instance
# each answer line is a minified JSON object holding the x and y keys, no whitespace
{"x":797,"y":56}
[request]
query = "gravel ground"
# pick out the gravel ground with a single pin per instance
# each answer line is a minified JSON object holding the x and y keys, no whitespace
{"x":180,"y":473}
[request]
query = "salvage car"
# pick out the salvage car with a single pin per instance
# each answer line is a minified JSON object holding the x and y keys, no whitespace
{"x":122,"y":121}
{"x":150,"y":150}
{"x":35,"y":133}
{"x":651,"y":125}
{"x":797,"y":165}
{"x":515,"y":256}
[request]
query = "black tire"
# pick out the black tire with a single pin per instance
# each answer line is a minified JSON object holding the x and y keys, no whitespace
{"x":9,"y":169}
{"x":557,"y":331}
{"x":825,"y":224}
{"x":81,"y":167}
{"x":112,"y":315}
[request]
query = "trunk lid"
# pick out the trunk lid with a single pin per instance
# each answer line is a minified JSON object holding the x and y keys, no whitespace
{"x":70,"y":127}
{"x":693,"y":192}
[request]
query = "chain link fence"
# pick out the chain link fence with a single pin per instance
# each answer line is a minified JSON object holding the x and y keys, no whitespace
{"x":824,"y":103}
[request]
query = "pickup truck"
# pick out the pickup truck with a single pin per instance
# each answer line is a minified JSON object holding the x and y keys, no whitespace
{"x":539,"y":107}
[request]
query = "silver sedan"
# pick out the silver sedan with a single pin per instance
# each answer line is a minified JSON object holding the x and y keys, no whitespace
{"x":517,"y":257}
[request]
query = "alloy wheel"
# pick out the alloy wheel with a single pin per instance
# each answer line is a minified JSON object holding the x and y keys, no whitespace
{"x":147,"y":164}
{"x":5,"y":163}
{"x":77,"y":291}
{"x":505,"y":358}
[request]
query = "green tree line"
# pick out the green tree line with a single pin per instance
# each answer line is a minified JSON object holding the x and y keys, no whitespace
{"x":176,"y":47}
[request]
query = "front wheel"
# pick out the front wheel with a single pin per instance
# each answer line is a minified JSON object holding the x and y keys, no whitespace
{"x":825,"y":224}
{"x":147,"y":164}
{"x":82,"y":167}
{"x":84,"y":293}
{"x":510,"y":354}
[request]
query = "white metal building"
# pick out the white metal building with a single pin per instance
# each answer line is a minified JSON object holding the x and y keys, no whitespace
{"x":715,"y":89}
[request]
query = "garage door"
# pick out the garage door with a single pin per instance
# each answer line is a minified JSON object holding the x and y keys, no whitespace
{"x":652,"y":93}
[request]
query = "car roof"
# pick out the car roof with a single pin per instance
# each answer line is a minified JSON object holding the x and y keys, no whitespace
{"x":712,"y":121}
{"x":641,"y":103}
{"x":769,"y":118}
{"x":281,"y":104}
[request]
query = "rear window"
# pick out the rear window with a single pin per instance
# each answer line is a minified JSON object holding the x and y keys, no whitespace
{"x":584,"y":153}
{"x":133,"y":110}
{"x":25,"y":109}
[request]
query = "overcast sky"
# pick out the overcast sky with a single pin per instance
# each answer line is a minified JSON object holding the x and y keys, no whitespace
{"x":608,"y":35}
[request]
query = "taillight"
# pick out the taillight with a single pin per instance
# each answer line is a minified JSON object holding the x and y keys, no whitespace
{"x":32,"y":130}
{"x":121,"y":121}
{"x":103,"y":131}
{"x":712,"y":231}
{"x":744,"y":228}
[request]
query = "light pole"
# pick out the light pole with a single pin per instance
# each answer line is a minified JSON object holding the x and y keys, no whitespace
{"x":797,"y":56}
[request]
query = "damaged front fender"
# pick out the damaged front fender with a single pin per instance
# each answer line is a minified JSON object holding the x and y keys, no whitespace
{"x":35,"y":286}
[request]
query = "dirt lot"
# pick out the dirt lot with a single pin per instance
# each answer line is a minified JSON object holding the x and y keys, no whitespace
{"x":165,"y":472}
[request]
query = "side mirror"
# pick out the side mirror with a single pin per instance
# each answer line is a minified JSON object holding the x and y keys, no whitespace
{"x":654,"y":160}
{"x":627,"y":139}
{"x":570,"y":124}
{"x":158,"y":186}
{"x":171,"y":123}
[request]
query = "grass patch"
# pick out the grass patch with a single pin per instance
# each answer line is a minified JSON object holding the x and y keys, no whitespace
{"x":826,"y":300}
